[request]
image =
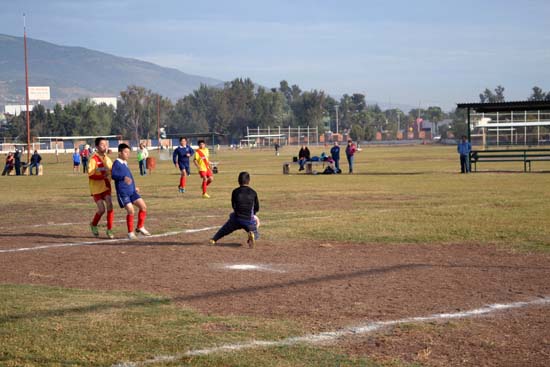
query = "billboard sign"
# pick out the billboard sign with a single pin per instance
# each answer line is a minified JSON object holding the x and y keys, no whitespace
{"x":39,"y":93}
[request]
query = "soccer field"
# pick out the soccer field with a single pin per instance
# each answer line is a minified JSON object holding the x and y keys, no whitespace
{"x":401,"y":264}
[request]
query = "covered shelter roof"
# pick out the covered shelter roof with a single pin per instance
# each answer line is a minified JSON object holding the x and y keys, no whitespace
{"x":506,"y":106}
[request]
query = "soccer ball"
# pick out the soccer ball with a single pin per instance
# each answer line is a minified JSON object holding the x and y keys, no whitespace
{"x":257,"y":221}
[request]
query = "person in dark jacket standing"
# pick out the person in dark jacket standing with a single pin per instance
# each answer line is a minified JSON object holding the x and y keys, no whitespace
{"x":35,"y":162}
{"x":127,"y":193}
{"x":245,"y":203}
{"x":464,"y":148}
{"x":335,"y":154}
{"x":17,"y":161}
{"x":303,"y":156}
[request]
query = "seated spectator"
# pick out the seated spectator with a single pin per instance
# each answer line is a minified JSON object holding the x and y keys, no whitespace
{"x":303,"y":157}
{"x":35,"y":162}
{"x":10,"y":162}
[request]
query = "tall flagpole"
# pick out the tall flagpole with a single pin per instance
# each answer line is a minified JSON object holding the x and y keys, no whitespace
{"x":27,"y":91}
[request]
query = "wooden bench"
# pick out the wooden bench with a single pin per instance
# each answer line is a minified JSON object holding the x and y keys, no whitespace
{"x":308,"y":166}
{"x":509,"y":155}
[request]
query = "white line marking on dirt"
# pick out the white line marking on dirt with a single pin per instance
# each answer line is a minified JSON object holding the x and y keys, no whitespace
{"x":106,"y":241}
{"x":333,"y":335}
{"x":256,"y":267}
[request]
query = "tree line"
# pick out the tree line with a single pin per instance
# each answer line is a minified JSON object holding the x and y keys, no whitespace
{"x":230,"y":109}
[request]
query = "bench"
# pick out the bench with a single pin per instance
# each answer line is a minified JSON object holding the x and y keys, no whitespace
{"x":509,"y":155}
{"x":308,"y":166}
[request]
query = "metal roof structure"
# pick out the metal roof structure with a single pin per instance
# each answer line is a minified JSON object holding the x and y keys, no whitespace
{"x":506,"y":106}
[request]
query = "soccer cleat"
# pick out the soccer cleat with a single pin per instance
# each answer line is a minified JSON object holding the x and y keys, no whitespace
{"x":110,"y":234}
{"x":181,"y":189}
{"x":251,"y":240}
{"x":132,"y":236}
{"x":95,"y":230}
{"x":212,"y":242}
{"x":205,"y":196}
{"x":143,"y":231}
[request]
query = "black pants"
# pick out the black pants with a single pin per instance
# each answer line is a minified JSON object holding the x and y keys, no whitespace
{"x":234,"y":224}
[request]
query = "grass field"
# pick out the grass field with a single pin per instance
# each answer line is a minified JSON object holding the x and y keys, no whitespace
{"x":399,"y":196}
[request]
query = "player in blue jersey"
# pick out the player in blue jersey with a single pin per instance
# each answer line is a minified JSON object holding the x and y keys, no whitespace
{"x":181,"y":161}
{"x":127,"y":193}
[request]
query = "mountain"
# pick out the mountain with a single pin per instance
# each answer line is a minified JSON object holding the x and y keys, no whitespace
{"x":76,"y":72}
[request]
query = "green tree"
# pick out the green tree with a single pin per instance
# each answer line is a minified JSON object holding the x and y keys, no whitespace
{"x":489,"y":97}
{"x":538,"y":95}
{"x":133,"y":110}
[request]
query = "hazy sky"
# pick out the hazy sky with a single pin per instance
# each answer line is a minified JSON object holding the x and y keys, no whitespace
{"x":423,"y":52}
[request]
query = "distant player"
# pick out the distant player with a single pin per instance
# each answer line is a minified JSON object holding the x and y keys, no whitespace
{"x":203,"y":164}
{"x":181,"y":157}
{"x":99,"y":178}
{"x":245,"y":203}
{"x":127,"y":193}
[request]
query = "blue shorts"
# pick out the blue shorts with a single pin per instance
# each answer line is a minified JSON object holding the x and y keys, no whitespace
{"x":124,"y":200}
{"x":182,"y":165}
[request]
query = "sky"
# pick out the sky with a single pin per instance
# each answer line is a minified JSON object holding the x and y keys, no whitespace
{"x":415,"y":52}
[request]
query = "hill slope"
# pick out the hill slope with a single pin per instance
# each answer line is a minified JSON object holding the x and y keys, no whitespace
{"x":76,"y":72}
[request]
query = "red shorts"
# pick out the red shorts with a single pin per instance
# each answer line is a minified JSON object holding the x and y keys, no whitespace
{"x":101,"y":196}
{"x":205,"y":174}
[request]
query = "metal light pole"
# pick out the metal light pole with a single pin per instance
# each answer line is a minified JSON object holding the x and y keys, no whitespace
{"x":336,"y":107}
{"x":27,"y":114}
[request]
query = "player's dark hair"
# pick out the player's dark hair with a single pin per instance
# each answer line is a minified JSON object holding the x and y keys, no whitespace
{"x":123,"y":146}
{"x":98,"y":140}
{"x":182,"y":137}
{"x":244,"y":178}
{"x":201,"y":141}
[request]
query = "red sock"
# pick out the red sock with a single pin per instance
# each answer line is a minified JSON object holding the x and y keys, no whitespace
{"x":204,"y":184}
{"x":96,"y":219}
{"x":110,"y":218}
{"x":130,"y":222}
{"x":182,"y":181}
{"x":141,"y":218}
{"x":208,"y":182}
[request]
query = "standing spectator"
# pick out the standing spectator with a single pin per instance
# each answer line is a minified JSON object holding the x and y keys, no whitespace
{"x":8,"y":167}
{"x":142,"y":155}
{"x":203,"y":164}
{"x":350,"y":153}
{"x":84,"y":156}
{"x":17,"y":161}
{"x":128,"y":194}
{"x":303,"y":157}
{"x":464,"y":148}
{"x":277,"y":146}
{"x":335,"y":154}
{"x":35,"y":162}
{"x":76,"y":160}
{"x":99,"y":178}
{"x":181,"y":157}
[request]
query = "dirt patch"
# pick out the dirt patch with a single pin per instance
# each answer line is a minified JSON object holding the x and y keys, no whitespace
{"x":324,"y":286}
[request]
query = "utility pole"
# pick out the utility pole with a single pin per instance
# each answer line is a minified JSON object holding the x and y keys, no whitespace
{"x":336,"y":107}
{"x":27,"y":114}
{"x":158,"y":119}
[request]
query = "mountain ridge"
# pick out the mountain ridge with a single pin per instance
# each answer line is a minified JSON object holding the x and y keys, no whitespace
{"x":74,"y":72}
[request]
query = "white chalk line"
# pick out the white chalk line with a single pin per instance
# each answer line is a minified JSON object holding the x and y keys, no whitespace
{"x":88,"y":223}
{"x":106,"y":241}
{"x":331,"y":336}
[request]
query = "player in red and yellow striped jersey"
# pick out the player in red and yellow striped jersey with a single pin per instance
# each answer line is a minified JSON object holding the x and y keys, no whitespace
{"x":99,"y":178}
{"x":200,"y":158}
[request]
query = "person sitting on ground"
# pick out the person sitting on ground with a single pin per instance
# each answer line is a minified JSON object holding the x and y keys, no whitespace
{"x":35,"y":162}
{"x":245,"y":203}
{"x":303,"y":156}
